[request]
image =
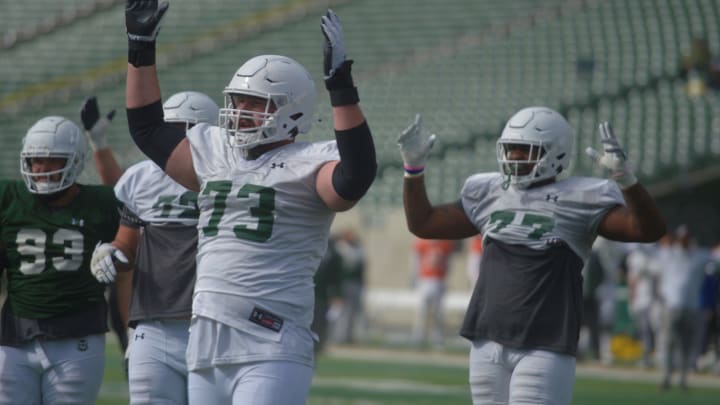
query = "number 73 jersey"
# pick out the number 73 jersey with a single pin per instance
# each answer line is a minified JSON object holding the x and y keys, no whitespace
{"x":263,"y":228}
{"x":568,"y":210}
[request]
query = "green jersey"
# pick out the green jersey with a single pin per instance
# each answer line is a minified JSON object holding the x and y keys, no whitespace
{"x":48,"y":250}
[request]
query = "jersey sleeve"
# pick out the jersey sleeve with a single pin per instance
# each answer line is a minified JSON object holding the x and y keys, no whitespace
{"x":125,"y":186}
{"x":607,"y":197}
{"x":474,"y":193}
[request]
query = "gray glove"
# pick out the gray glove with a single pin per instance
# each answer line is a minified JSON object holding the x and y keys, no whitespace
{"x":336,"y":69}
{"x":333,"y":44}
{"x":414,"y":147}
{"x":613,"y":158}
{"x":142,"y":21}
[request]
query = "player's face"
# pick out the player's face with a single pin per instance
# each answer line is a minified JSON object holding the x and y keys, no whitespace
{"x":521,"y":152}
{"x":251,"y":104}
{"x":47,"y":165}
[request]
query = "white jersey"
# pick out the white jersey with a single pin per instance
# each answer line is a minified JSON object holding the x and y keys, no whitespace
{"x":154,"y":197}
{"x":263,"y":230}
{"x":568,"y":210}
{"x":535,"y":241}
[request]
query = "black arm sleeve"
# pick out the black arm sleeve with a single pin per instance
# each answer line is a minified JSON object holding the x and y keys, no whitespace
{"x":356,"y":171}
{"x":151,"y":134}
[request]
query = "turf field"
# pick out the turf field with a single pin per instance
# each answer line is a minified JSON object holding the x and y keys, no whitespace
{"x":401,"y":377}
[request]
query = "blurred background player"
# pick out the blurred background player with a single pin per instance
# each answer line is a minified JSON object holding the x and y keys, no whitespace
{"x":266,"y":205}
{"x":328,"y":279}
{"x":157,"y":238}
{"x":54,"y":318}
{"x":524,"y":315}
{"x":430,"y":262}
{"x":348,"y":306}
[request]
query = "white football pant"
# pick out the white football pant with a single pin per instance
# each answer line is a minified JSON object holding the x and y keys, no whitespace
{"x":499,"y":375}
{"x":48,"y":372}
{"x":255,"y":383}
{"x":157,"y":367}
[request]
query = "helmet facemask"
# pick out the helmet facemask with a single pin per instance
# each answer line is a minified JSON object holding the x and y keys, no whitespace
{"x":42,"y":183}
{"x":247,"y":128}
{"x":525,"y":171}
{"x":546,"y":140}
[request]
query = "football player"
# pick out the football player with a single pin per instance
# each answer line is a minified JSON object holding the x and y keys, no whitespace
{"x":158,"y":239}
{"x":266,"y":205}
{"x":524,"y":315}
{"x":54,"y":319}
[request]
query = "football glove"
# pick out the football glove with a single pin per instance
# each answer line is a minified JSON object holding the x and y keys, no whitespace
{"x":94,"y":124}
{"x":414,"y":147}
{"x":102,"y":263}
{"x":613,"y":158}
{"x":142,"y":22}
{"x":143,"y":19}
{"x":336,"y":69}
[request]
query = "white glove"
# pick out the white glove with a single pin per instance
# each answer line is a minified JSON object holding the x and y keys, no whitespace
{"x":414,"y":147}
{"x":613,"y":158}
{"x":94,"y":124}
{"x":101,"y":264}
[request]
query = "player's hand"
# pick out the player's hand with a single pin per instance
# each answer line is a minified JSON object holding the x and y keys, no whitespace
{"x":143,"y":19}
{"x":337,"y":69}
{"x":102,"y":265}
{"x":333,"y":44}
{"x":613,"y":157}
{"x":415,"y":147}
{"x":94,"y":124}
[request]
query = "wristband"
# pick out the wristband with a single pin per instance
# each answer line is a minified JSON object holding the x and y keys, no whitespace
{"x":413,"y":171}
{"x":339,"y":98}
{"x":141,"y":53}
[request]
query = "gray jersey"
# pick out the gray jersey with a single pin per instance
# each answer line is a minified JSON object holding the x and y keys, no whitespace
{"x":263,"y":230}
{"x":529,"y":294}
{"x":165,"y":263}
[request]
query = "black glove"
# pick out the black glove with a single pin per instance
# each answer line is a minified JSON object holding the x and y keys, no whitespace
{"x":95,"y":125}
{"x":142,"y":21}
{"x":337,"y":70}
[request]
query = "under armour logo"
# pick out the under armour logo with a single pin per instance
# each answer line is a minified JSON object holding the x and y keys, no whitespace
{"x":552,"y":197}
{"x":140,"y":336}
{"x":276,"y":165}
{"x":82,"y":345}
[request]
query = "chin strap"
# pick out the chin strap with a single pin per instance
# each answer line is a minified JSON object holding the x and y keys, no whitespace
{"x":506,"y":182}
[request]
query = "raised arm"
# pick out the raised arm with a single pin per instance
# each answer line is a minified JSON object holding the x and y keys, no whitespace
{"x":446,"y":221}
{"x":165,"y":144}
{"x":95,"y":127}
{"x":640,"y":219}
{"x":342,"y":183}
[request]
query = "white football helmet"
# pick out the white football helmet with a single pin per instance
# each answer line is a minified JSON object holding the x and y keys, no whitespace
{"x":282,"y":82}
{"x":549,"y":140}
{"x":53,"y":137}
{"x":190,"y":107}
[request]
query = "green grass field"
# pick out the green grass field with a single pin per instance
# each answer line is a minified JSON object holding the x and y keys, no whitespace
{"x":401,"y":377}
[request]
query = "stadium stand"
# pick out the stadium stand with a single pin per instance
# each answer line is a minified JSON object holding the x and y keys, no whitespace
{"x":465,"y":65}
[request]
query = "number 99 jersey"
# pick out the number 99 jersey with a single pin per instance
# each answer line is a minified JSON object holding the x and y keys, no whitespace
{"x":48,"y":250}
